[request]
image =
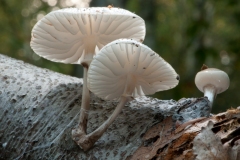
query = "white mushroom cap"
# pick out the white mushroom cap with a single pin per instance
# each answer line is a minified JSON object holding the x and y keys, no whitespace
{"x":73,"y":35}
{"x":212,"y":76}
{"x":107,"y":76}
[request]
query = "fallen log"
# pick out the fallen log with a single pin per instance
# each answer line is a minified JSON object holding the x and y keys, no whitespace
{"x":39,"y":108}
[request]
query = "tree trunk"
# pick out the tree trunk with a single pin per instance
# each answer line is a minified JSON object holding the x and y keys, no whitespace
{"x":39,"y":108}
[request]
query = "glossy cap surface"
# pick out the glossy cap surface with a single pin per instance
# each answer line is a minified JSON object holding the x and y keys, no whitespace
{"x":212,"y":76}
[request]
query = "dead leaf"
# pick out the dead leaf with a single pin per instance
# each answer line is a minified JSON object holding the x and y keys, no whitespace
{"x":234,"y":152}
{"x":207,"y":146}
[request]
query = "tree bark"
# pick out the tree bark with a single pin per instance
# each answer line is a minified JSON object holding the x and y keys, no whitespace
{"x":39,"y":108}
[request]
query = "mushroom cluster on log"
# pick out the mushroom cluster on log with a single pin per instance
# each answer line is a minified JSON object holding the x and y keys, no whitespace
{"x":74,"y":35}
{"x":38,"y":109}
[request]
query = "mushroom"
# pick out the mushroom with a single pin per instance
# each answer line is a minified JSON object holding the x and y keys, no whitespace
{"x":75,"y":35}
{"x":125,"y":69}
{"x":211,"y":81}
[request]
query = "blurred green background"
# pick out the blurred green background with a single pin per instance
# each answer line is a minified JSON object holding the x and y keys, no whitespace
{"x":185,"y":33}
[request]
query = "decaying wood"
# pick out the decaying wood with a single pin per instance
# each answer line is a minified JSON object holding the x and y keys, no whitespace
{"x":38,"y":109}
{"x":213,"y":138}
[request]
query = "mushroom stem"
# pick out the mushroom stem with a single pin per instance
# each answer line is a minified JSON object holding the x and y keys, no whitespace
{"x":210,"y":93}
{"x":87,"y":141}
{"x":85,"y":104}
{"x":100,"y":130}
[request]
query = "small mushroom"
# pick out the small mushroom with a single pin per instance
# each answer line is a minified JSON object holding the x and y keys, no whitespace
{"x":212,"y":81}
{"x":125,"y":69}
{"x":75,"y":35}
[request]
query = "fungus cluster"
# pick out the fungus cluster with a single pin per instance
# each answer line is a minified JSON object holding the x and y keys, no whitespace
{"x":75,"y":35}
{"x":107,"y":42}
{"x":125,"y":69}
